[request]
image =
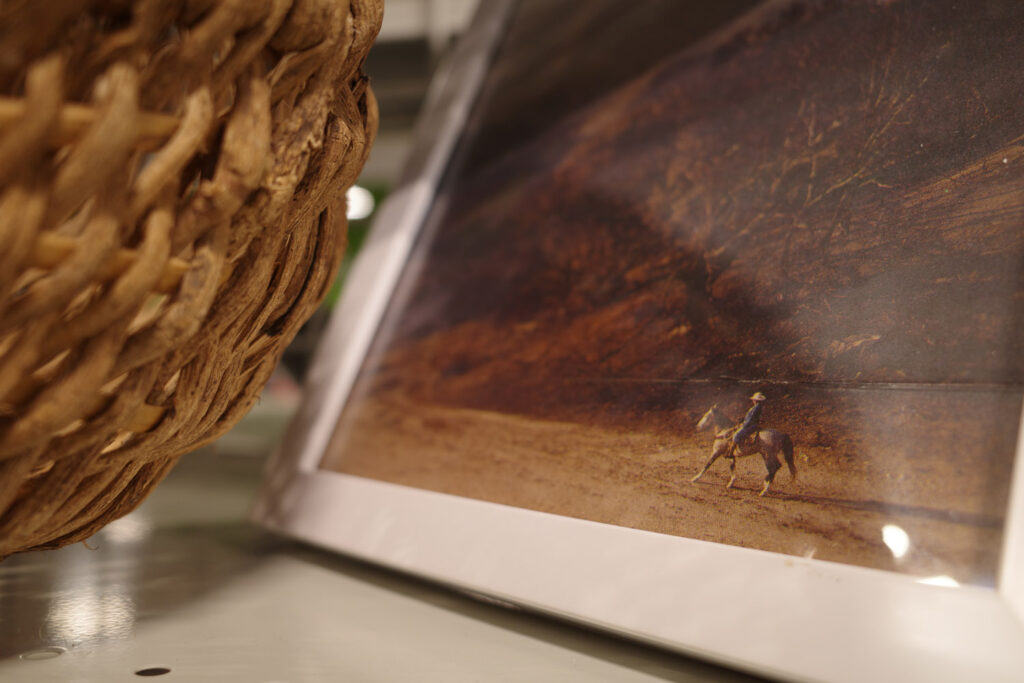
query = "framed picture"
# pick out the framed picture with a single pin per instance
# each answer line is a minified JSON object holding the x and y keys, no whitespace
{"x":701,"y":325}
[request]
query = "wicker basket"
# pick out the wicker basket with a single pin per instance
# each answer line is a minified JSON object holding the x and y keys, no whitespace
{"x":172,"y":177}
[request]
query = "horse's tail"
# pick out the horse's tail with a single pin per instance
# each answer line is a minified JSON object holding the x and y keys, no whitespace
{"x":787,"y":452}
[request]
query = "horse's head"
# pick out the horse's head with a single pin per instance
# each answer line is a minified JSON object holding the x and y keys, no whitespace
{"x":707,"y":421}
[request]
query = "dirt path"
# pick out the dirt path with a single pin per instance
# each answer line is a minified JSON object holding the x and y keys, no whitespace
{"x":642,"y":480}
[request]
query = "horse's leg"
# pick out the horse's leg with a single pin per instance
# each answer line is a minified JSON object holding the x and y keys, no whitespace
{"x":787,"y":452}
{"x":771,"y":461}
{"x":716,"y":453}
{"x":732,"y":472}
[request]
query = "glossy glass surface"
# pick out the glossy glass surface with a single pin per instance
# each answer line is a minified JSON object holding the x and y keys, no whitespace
{"x":770,"y":208}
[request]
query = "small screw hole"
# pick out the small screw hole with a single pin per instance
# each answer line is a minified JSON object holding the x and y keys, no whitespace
{"x":43,"y":653}
{"x":153,"y":671}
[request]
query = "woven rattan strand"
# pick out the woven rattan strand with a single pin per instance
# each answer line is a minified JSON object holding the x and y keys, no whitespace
{"x":172,"y":180}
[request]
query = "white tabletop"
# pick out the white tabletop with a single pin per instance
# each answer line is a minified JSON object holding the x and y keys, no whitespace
{"x":185,"y":588}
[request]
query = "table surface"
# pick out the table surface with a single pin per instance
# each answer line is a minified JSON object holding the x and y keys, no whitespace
{"x":185,"y":589}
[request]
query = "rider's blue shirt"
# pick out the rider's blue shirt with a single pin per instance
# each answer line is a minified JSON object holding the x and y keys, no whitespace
{"x":750,"y":424}
{"x":753,"y":418}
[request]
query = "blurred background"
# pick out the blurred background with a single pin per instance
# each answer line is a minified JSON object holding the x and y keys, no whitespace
{"x":415,"y":39}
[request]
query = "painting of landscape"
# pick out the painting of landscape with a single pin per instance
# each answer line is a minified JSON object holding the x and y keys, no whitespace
{"x":819,"y":201}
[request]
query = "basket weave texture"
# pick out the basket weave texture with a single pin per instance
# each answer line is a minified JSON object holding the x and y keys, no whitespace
{"x":172,"y":177}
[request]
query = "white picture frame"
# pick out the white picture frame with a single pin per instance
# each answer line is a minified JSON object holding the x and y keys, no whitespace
{"x":770,"y":614}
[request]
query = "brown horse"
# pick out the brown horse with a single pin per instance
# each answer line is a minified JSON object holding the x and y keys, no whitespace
{"x":768,"y":442}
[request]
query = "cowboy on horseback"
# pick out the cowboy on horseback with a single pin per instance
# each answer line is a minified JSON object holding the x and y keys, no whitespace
{"x":751,"y":423}
{"x":733,"y":443}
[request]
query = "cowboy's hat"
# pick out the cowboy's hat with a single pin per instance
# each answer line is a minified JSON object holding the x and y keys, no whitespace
{"x":758,"y":397}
